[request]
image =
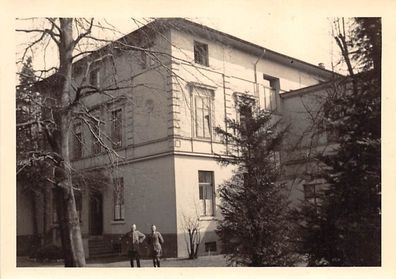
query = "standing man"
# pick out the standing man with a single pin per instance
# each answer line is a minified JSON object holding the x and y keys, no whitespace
{"x":134,"y":238}
{"x":155,"y":240}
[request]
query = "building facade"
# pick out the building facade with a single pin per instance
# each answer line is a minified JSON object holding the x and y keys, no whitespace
{"x":158,"y":105}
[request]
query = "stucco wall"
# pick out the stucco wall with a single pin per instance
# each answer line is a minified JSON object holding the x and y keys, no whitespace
{"x":187,"y":197}
{"x":143,"y":98}
{"x":301,"y":110}
{"x":230,"y":70}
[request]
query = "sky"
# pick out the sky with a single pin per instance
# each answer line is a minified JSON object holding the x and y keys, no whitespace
{"x":303,"y":37}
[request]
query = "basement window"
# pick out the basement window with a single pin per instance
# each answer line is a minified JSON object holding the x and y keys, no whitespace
{"x":210,"y":246}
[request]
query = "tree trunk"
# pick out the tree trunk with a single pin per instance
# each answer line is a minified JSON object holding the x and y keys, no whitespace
{"x":70,"y":226}
{"x":63,"y":226}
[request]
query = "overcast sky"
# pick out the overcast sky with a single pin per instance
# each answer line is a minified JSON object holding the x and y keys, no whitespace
{"x":303,"y":37}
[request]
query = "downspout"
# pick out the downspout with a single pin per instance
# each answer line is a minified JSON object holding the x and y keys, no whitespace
{"x":225,"y":113}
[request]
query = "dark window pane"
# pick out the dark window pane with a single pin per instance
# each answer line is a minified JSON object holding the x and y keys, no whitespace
{"x":201,"y":53}
{"x":309,"y":191}
{"x":201,"y":195}
{"x":210,"y":246}
{"x":94,"y":77}
{"x":116,"y":128}
{"x":205,"y":176}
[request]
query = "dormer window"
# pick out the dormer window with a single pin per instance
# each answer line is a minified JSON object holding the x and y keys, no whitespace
{"x":201,"y":54}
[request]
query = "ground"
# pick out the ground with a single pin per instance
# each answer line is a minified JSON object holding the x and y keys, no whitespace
{"x":203,"y":261}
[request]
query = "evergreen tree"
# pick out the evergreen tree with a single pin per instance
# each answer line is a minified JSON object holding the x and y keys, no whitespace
{"x":27,"y":109}
{"x":345,"y":228}
{"x":255,"y":228}
{"x":29,"y":141}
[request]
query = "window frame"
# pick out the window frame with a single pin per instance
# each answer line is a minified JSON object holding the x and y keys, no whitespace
{"x":314,"y":194}
{"x":118,"y":199}
{"x":201,"y":56}
{"x":96,"y":146}
{"x":78,"y":141}
{"x":274,"y":88}
{"x":96,"y":83}
{"x":202,"y":194}
{"x":119,"y":144}
{"x":203,"y":127}
{"x":238,"y":97}
{"x":203,"y":93}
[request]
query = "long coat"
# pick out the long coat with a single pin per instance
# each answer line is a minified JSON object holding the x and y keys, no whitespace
{"x":155,"y":240}
{"x":133,"y":240}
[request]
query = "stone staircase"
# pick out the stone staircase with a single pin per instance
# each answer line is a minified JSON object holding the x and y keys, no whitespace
{"x":101,"y":248}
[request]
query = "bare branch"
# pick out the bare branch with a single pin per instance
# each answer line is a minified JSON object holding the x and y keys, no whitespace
{"x":84,"y":34}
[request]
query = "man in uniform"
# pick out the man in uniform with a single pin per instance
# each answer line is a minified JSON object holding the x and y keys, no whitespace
{"x":133,"y":239}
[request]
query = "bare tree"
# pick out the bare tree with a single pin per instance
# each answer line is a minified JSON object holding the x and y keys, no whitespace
{"x":62,"y":104}
{"x":79,"y":50}
{"x":191,"y":227}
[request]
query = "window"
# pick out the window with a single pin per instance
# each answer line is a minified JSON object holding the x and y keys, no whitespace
{"x":244,"y":104}
{"x":276,"y":159}
{"x":97,"y":129}
{"x":78,"y":199}
{"x":54,"y":209}
{"x":271,"y":89}
{"x":147,"y":58}
{"x":201,"y":54}
{"x":206,"y":193}
{"x":210,"y":246}
{"x":94,"y":77}
{"x":245,"y":113}
{"x":116,"y":128}
{"x":119,"y":211}
{"x":77,"y":143}
{"x":311,"y":193}
{"x":203,"y":119}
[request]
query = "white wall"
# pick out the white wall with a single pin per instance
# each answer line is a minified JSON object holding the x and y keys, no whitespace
{"x":187,"y":196}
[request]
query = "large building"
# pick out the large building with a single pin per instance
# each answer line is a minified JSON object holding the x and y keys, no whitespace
{"x":159,"y":103}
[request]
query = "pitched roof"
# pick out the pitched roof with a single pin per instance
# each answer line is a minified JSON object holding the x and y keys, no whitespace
{"x":160,"y":24}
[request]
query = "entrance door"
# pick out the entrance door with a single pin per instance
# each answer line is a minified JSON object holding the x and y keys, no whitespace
{"x":96,"y":214}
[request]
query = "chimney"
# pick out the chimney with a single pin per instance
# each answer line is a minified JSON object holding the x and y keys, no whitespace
{"x":321,"y":65}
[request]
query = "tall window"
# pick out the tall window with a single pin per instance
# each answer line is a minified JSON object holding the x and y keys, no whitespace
{"x":201,"y":54}
{"x":245,"y":104}
{"x":119,"y":211}
{"x":206,"y":192}
{"x":311,"y":193}
{"x":94,"y":77}
{"x":96,"y":137}
{"x":203,"y":118}
{"x":271,"y":90}
{"x":116,"y":128}
{"x":77,"y":142}
{"x":244,"y":114}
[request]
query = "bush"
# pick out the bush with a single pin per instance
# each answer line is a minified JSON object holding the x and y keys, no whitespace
{"x":49,"y":252}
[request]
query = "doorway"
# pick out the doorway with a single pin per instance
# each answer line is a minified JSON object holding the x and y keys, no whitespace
{"x":96,"y":213}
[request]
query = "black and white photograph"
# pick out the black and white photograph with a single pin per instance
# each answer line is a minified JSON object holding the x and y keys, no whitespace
{"x":190,"y":141}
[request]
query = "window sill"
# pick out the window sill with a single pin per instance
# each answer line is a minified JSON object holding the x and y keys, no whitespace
{"x":203,"y":139}
{"x":207,"y":218}
{"x":118,"y":222}
{"x":202,"y":65}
